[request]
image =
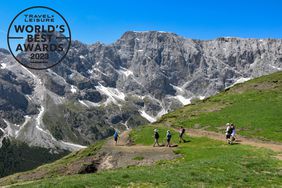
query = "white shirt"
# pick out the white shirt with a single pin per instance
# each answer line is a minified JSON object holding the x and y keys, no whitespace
{"x":227,"y":129}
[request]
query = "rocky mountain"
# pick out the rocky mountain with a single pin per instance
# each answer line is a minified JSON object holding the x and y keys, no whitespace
{"x":135,"y":80}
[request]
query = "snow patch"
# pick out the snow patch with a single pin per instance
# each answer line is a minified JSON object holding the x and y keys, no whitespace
{"x":88,"y":104}
{"x":73,"y":145}
{"x":82,"y":57}
{"x":2,"y":130}
{"x":239,"y":81}
{"x":28,"y":97}
{"x":162,"y":112}
{"x":140,"y":97}
{"x":126,"y":126}
{"x":73,"y":89}
{"x":201,"y":97}
{"x":93,"y":103}
{"x":125,"y":71}
{"x":183,"y":100}
{"x":3,"y":65}
{"x":71,"y":75}
{"x":177,"y":88}
{"x":274,"y":67}
{"x":98,"y":70}
{"x":113,"y":93}
{"x":83,"y":103}
{"x":147,"y":116}
{"x":148,"y":57}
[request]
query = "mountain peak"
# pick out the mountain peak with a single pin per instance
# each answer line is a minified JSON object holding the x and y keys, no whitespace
{"x":4,"y":51}
{"x":134,"y":34}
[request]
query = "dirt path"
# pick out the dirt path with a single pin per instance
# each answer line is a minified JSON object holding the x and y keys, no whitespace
{"x":125,"y":154}
{"x":239,"y":139}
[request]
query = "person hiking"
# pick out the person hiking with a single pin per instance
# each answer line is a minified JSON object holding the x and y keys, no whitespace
{"x":168,"y":138}
{"x":156,"y":136}
{"x":228,"y":132}
{"x":116,"y":136}
{"x":181,"y":134}
{"x":232,"y":138}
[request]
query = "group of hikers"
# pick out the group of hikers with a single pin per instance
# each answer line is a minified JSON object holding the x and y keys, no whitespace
{"x":230,"y":135}
{"x":157,"y":136}
{"x":168,"y":137}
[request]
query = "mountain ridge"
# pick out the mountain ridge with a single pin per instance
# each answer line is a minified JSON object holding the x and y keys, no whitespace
{"x":105,"y":72}
{"x":137,"y":79}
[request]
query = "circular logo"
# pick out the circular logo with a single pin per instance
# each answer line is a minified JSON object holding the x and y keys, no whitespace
{"x":39,"y":37}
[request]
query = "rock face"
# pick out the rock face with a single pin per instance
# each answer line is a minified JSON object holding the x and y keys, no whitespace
{"x":133,"y":81}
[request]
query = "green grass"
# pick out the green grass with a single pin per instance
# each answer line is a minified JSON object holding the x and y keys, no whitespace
{"x":145,"y":135}
{"x":138,"y":158}
{"x":204,"y":162}
{"x":255,"y":107}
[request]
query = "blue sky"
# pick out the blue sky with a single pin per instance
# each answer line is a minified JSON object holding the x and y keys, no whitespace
{"x":106,"y":21}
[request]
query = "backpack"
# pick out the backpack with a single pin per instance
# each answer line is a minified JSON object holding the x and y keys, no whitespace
{"x":168,"y":136}
{"x":157,"y":135}
{"x":116,"y":135}
{"x":230,"y":130}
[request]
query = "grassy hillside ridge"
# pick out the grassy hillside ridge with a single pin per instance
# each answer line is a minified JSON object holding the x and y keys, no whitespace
{"x":65,"y":166}
{"x":204,"y":163}
{"x":254,"y":106}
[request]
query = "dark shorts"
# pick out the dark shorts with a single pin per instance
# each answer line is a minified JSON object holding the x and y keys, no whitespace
{"x":168,"y":140}
{"x":228,"y":136}
{"x":115,"y":138}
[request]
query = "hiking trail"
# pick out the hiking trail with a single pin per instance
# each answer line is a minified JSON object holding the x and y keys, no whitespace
{"x":125,"y":154}
{"x":239,"y":139}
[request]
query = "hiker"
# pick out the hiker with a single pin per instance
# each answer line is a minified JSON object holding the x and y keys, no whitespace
{"x":228,"y":132}
{"x":156,"y":136}
{"x":116,"y":136}
{"x":168,"y":138}
{"x":181,"y":134}
{"x":233,"y":132}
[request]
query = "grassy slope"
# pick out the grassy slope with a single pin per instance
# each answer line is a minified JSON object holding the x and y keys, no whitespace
{"x":255,"y":107}
{"x":57,"y":168}
{"x":205,"y":162}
